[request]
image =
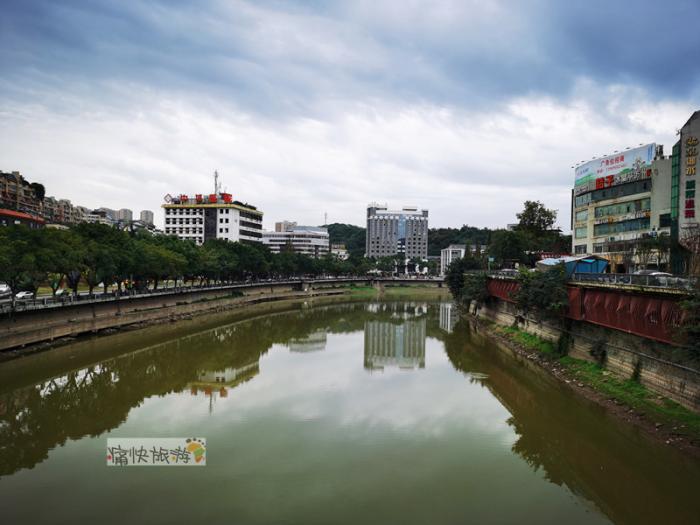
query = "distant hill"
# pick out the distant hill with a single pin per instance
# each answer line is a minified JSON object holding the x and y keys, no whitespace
{"x":353,"y":237}
{"x":438,"y":238}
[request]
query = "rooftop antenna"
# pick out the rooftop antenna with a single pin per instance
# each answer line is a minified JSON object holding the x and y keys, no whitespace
{"x":216,"y":181}
{"x":325,"y":218}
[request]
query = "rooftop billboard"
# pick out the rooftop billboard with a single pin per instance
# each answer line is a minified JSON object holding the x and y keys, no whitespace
{"x":618,"y":167}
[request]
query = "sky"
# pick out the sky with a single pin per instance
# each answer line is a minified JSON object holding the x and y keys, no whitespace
{"x":466,"y":108}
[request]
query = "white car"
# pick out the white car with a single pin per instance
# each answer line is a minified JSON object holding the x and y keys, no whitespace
{"x":23,"y":296}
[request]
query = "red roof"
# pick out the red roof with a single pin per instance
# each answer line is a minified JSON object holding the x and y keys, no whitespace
{"x":20,"y":215}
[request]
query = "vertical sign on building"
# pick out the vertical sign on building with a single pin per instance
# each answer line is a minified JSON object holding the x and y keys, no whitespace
{"x":691,"y":157}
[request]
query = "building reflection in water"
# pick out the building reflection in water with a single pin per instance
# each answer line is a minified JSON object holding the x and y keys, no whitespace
{"x":314,"y":342}
{"x":448,"y":317}
{"x":396,"y":341}
{"x":218,"y":383}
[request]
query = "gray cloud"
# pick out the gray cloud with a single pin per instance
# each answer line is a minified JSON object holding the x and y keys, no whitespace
{"x":465,"y":107}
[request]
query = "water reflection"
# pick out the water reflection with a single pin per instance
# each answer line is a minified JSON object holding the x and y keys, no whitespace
{"x":548,"y":430}
{"x":314,"y":342}
{"x":396,"y":337}
{"x":400,"y":345}
{"x":448,"y":317}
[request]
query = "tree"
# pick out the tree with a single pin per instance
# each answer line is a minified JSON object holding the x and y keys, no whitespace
{"x":691,"y":322}
{"x":353,"y":237}
{"x":535,"y":218}
{"x":543,"y":293}
{"x":507,"y":246}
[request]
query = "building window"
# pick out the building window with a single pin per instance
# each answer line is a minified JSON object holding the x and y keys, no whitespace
{"x":582,"y":232}
{"x":580,"y":249}
{"x":622,"y":226}
{"x":582,"y":216}
{"x":665,"y":220}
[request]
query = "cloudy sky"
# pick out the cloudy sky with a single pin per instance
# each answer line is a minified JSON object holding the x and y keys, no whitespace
{"x":467,"y":108}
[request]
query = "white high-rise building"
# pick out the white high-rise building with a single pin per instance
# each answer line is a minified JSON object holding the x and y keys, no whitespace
{"x":214,"y":216}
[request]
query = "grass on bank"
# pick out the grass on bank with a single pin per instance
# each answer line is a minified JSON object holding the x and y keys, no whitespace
{"x":626,"y":391}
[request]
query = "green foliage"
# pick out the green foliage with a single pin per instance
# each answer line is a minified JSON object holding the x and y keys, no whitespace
{"x":475,"y":288}
{"x":543,"y":293}
{"x":691,"y":322}
{"x":440,"y":238}
{"x":535,"y":218}
{"x":529,"y":341}
{"x":508,"y":246}
{"x":353,"y":237}
{"x":96,"y":254}
{"x":454,"y":277}
{"x":629,"y":392}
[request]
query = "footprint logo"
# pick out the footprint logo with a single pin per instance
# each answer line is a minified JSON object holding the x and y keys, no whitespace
{"x":197,"y":448}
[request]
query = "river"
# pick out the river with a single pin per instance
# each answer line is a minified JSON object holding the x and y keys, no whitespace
{"x":361,"y":412}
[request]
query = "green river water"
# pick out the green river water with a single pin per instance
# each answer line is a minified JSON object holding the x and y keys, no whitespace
{"x":353,"y":413}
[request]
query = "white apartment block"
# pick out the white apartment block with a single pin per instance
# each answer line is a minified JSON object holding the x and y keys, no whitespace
{"x":214,"y":216}
{"x":308,"y":240}
{"x":449,"y":254}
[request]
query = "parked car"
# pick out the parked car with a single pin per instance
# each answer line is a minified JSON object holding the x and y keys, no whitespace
{"x":5,"y":293}
{"x":62,"y":292}
{"x":24,"y":296}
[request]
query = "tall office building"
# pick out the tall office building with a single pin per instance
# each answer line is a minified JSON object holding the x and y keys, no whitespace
{"x":146,"y":217}
{"x":213,"y":216}
{"x":685,"y":212}
{"x":125,"y":215}
{"x":396,"y":232}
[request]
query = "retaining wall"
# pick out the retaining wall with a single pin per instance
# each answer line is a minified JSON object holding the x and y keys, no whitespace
{"x":660,"y":366}
{"x":35,"y":326}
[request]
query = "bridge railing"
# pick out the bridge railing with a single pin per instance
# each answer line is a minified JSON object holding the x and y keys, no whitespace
{"x":627,"y":279}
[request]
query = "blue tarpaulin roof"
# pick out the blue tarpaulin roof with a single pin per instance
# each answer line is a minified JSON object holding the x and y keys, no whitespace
{"x":584,"y":264}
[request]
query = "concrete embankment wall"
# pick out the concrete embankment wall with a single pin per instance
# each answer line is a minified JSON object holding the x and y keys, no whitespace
{"x":660,"y":367}
{"x":36,"y":326}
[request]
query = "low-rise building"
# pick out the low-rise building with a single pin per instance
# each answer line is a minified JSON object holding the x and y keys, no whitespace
{"x":308,"y":240}
{"x":202,"y":217}
{"x":340,"y":251}
{"x":99,"y":216}
{"x":17,"y":193}
{"x":16,"y":218}
{"x":449,"y":254}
